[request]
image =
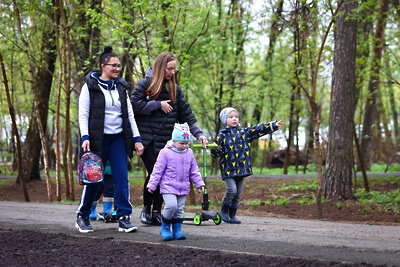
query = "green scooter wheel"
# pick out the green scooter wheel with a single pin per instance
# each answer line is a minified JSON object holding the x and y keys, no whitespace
{"x":197,"y":219}
{"x":217,"y":220}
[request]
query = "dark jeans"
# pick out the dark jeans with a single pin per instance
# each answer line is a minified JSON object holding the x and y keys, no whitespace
{"x":149,"y":158}
{"x":234,"y":187}
{"x":106,"y":188}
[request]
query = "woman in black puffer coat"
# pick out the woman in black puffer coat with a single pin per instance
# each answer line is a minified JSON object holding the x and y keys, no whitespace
{"x":158,"y":103}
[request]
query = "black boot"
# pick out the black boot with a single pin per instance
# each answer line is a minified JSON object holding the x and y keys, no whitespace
{"x":145,"y":215}
{"x":156,"y":218}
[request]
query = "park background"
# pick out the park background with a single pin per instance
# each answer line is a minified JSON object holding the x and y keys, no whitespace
{"x":329,"y":69}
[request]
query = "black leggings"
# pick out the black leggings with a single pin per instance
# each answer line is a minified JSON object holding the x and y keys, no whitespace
{"x":149,"y":158}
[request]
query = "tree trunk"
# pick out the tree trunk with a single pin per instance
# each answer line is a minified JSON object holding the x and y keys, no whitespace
{"x":393,"y":107}
{"x":44,"y":78}
{"x":290,"y":134}
{"x":364,"y":172}
{"x":364,"y":28}
{"x":66,"y":56}
{"x":294,"y":110}
{"x":373,"y":87}
{"x":57,"y":8}
{"x":316,"y":111}
{"x":339,"y":163}
{"x":166,"y":36}
{"x":309,"y":145}
{"x":36,"y":94}
{"x":15,"y":129}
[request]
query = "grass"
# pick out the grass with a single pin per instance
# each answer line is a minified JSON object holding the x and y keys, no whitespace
{"x":304,"y":193}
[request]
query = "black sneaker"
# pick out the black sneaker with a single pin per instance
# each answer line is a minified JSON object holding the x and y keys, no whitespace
{"x":156,"y":218}
{"x":83,"y":225}
{"x":145,"y":216}
{"x":125,"y":225}
{"x":107,"y":217}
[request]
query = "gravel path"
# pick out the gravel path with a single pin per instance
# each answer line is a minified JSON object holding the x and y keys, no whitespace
{"x":274,"y":237}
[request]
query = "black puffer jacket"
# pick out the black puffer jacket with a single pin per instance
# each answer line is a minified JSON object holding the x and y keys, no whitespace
{"x":157,"y":126}
{"x":97,"y":113}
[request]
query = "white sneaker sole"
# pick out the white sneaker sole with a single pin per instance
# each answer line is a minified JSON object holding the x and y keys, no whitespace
{"x":81,"y":230}
{"x":132,"y":229}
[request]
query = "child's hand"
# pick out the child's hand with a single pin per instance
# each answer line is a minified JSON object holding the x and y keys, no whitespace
{"x":279,"y":124}
{"x":201,"y":189}
{"x":150,"y":191}
{"x":214,"y":148}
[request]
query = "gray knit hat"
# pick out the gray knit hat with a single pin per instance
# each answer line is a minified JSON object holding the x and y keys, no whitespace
{"x":224,"y":114}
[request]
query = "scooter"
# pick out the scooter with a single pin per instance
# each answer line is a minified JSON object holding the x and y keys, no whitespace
{"x":205,"y":215}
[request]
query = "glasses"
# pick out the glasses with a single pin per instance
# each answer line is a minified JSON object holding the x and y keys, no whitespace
{"x":115,"y":65}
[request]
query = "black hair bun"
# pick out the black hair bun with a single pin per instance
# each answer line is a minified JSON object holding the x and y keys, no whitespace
{"x":107,"y":49}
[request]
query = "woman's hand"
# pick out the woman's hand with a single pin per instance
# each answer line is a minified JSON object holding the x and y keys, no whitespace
{"x":201,"y":189}
{"x":139,"y":148}
{"x":86,"y":146}
{"x":203,"y":140}
{"x":166,"y":107}
{"x":150,"y":191}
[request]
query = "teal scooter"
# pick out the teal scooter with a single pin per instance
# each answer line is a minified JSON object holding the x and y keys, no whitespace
{"x":205,"y":215}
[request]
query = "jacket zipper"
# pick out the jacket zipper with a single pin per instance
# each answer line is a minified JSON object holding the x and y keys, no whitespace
{"x":112,"y":99}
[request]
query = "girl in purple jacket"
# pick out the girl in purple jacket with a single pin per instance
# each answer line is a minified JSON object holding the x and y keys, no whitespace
{"x":174,"y":167}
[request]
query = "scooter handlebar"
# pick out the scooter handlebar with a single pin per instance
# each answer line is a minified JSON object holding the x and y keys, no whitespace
{"x":201,"y":145}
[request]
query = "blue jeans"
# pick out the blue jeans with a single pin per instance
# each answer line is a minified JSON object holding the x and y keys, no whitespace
{"x":234,"y":187}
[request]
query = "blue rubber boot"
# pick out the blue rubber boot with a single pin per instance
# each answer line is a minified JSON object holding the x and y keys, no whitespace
{"x":224,"y":212}
{"x":165,"y":230}
{"x":92,"y":215}
{"x":176,"y":228}
{"x":107,"y":211}
{"x":232,"y":215}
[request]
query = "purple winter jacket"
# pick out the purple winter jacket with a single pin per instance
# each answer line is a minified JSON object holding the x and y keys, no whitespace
{"x":173,"y":171}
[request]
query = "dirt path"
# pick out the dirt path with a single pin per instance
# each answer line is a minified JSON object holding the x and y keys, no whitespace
{"x":273,"y":237}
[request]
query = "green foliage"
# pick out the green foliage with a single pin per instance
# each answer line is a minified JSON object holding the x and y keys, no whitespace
{"x":303,"y":184}
{"x":381,"y":166}
{"x":253,"y":203}
{"x":384,"y":200}
{"x":282,"y":201}
{"x":305,"y":201}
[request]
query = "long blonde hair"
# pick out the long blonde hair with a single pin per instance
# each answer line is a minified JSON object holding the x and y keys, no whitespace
{"x":159,"y":66}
